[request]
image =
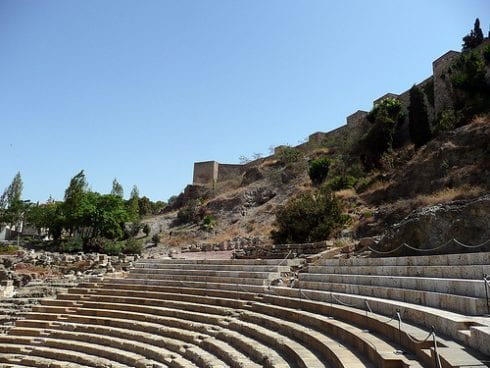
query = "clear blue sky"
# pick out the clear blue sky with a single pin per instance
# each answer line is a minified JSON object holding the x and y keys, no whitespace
{"x":139,"y":90}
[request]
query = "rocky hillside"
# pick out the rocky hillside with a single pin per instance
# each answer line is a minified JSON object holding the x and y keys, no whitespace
{"x":453,"y":166}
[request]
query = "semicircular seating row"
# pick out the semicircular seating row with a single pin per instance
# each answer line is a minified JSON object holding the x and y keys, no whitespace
{"x":213,"y":314}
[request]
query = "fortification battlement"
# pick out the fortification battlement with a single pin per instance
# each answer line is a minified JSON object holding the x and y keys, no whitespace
{"x":211,"y":172}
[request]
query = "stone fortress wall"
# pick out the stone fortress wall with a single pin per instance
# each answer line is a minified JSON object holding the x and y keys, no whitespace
{"x":212,"y":172}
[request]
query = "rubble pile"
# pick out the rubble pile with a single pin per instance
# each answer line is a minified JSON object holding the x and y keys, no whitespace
{"x":29,"y":276}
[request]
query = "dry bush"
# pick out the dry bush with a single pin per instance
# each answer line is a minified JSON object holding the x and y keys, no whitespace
{"x":269,"y":162}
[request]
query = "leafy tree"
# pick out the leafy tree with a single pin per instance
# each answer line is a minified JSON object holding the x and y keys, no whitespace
{"x":418,"y":118}
{"x":144,"y":206}
{"x":117,"y":189}
{"x":311,"y":216}
{"x":106,"y":215}
{"x":158,"y":206}
{"x":73,"y":199}
{"x":48,"y":217}
{"x":318,"y":170}
{"x":474,"y":38}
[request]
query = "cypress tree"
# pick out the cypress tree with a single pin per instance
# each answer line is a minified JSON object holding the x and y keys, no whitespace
{"x":474,"y":38}
{"x":418,"y":118}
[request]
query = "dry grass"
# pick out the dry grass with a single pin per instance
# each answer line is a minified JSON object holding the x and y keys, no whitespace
{"x":447,"y":195}
{"x":377,"y":186}
{"x":482,"y":119}
{"x":346,"y":194}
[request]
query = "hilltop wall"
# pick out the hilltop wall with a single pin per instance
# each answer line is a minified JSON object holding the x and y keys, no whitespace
{"x":438,"y":91}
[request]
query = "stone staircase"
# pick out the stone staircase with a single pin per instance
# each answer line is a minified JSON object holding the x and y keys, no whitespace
{"x":232,"y":313}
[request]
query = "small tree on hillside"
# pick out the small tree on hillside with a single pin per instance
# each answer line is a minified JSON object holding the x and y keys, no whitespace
{"x":418,"y":118}
{"x":318,"y":170}
{"x":384,"y":118}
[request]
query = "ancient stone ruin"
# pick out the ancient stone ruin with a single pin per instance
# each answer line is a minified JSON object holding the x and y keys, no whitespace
{"x":425,"y":311}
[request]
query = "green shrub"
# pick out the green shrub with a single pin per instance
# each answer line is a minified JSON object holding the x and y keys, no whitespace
{"x":486,"y":54}
{"x":155,"y":239}
{"x":342,"y":182}
{"x":113,"y":248}
{"x":288,"y":154}
{"x":311,"y":216}
{"x":362,"y":185}
{"x":318,"y":170}
{"x":209,"y":222}
{"x":8,"y":249}
{"x":447,"y":120}
{"x":469,"y":72}
{"x":72,"y":246}
{"x":133,"y":246}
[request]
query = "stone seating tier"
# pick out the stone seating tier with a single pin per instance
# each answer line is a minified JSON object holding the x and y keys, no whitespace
{"x":217,"y":314}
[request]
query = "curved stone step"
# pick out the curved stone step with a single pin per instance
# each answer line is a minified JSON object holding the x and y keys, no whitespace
{"x":214,"y":267}
{"x":454,"y":260}
{"x":183,"y":317}
{"x":380,"y":352}
{"x":24,"y":345}
{"x":149,"y":334}
{"x":445,"y":322}
{"x":450,"y":302}
{"x":78,"y":344}
{"x":474,"y":272}
{"x":193,"y":284}
{"x":275,"y":262}
{"x":205,"y":273}
{"x":190,"y":299}
{"x":463,"y":287}
{"x":293,"y":315}
{"x":18,"y":361}
{"x":197,"y":278}
{"x":122,"y":350}
{"x":226,"y":353}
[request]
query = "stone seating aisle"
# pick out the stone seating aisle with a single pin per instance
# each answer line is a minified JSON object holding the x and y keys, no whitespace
{"x":176,"y":313}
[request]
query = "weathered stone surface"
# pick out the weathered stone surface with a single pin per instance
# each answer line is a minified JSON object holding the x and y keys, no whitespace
{"x":431,"y":227}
